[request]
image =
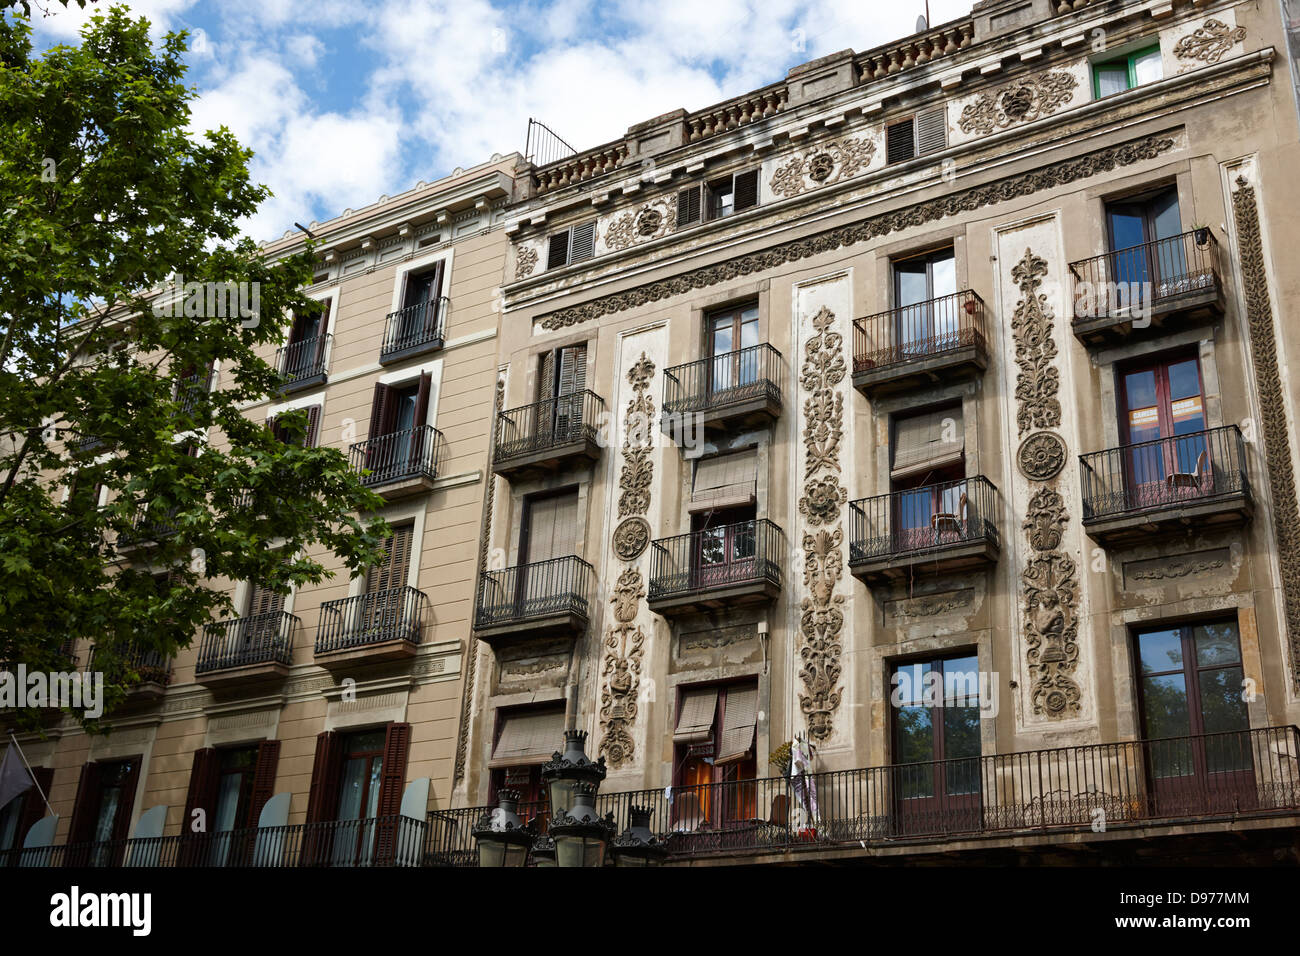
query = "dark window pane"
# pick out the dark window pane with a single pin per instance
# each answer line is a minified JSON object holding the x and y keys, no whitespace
{"x":1216,"y":644}
{"x":1222,"y":708}
{"x":1160,"y":651}
{"x":1165,"y":703}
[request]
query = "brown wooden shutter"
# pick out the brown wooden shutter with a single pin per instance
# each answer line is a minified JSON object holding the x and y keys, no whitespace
{"x":392,"y":571}
{"x":205,"y":776}
{"x":326,"y":769}
{"x":422,"y":399}
{"x":392,"y":782}
{"x":900,"y":140}
{"x":380,"y":409}
{"x":268,"y":762}
{"x":313,"y":427}
{"x":321,"y":329}
{"x":931,"y":131}
{"x":546,"y":376}
{"x":276,"y":429}
{"x":264,"y":601}
{"x":582,"y":242}
{"x":82,"y":827}
{"x":688,"y":206}
{"x":746,"y":190}
{"x":122,"y":822}
{"x":34,"y":806}
{"x":557,"y":252}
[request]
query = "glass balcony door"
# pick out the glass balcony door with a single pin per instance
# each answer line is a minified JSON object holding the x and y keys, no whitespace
{"x":922,"y":324}
{"x":1163,"y":415}
{"x":729,"y":333}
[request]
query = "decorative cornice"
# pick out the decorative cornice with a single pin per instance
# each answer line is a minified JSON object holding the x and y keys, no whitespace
{"x":917,"y":214}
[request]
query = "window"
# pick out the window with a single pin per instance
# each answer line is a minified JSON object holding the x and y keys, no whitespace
{"x":1163,"y":426}
{"x":420,"y":320}
{"x":731,"y":332}
{"x":233,"y":798}
{"x":928,"y":477}
{"x":718,"y":198}
{"x":398,"y":443}
{"x":925,"y":307}
{"x":1145,"y":242}
{"x":917,"y":135}
{"x":1190,"y":684}
{"x":357,"y":779}
{"x":304,"y":353}
{"x":525,"y":739}
{"x":561,"y":393}
{"x":724,"y":482}
{"x":1127,"y":72}
{"x":310,"y":437}
{"x":936,"y":739}
{"x":102,"y":812}
{"x":572,"y":245}
{"x":713,"y":747}
{"x":230,"y":786}
{"x":549,"y":528}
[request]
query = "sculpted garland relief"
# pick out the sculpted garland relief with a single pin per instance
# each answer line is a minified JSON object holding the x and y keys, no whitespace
{"x":649,"y":221}
{"x":1209,"y":42}
{"x":959,"y":201}
{"x":822,"y":616}
{"x":1049,"y":582}
{"x":1021,"y":102}
{"x":625,"y":640}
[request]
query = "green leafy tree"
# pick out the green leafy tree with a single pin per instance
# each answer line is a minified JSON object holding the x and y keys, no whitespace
{"x":104,"y":196}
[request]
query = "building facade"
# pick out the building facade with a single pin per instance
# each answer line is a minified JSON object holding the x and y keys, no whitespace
{"x":897,"y":460}
{"x":929,"y":406}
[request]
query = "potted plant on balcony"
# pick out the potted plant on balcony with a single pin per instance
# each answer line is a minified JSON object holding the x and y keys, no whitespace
{"x":1202,"y":235}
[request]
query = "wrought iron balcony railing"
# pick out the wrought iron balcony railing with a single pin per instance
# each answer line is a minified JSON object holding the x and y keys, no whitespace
{"x":1149,"y":276}
{"x":153,"y":667}
{"x":150,"y":524}
{"x":397,"y":456}
{"x":924,"y":330}
{"x":304,"y":360}
{"x":1195,"y":468}
{"x":377,"y":841}
{"x":256,"y":639}
{"x":418,"y":327}
{"x":923,"y":519}
{"x":393,"y":614}
{"x":1129,"y":784}
{"x":726,"y":556}
{"x":191,"y":389}
{"x":547,"y":425}
{"x":752,"y":374}
{"x":530,"y":592}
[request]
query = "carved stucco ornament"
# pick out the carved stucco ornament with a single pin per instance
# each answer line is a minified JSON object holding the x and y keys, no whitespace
{"x":1039,"y":381}
{"x":827,"y":164}
{"x":625,"y":640}
{"x":1272,"y":403}
{"x":1041,"y":456}
{"x":525,"y":261}
{"x":1020,"y":102}
{"x":1209,"y":41}
{"x":822,"y":618}
{"x":908,"y":217}
{"x":648,"y":221}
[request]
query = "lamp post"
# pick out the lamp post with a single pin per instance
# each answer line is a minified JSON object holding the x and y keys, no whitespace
{"x":637,"y":845}
{"x":503,"y":839}
{"x":581,"y":836}
{"x":564,"y":770}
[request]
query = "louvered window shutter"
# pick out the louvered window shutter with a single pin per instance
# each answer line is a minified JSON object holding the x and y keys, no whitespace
{"x":205,"y":777}
{"x":582,"y":244}
{"x":268,"y":762}
{"x":931,"y":131}
{"x":546,"y":376}
{"x":126,"y":801}
{"x":86,"y":807}
{"x":573,"y":369}
{"x":323,"y":798}
{"x":900,"y":140}
{"x":264,"y":601}
{"x":422,"y":400}
{"x":391,"y":835}
{"x":312,"y":438}
{"x":276,"y":430}
{"x":688,"y":207}
{"x":557,"y":253}
{"x":321,"y":329}
{"x":746,"y":190}
{"x":392,"y":571}
{"x":379,"y":407}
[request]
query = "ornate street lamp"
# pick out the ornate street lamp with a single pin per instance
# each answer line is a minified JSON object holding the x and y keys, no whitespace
{"x":580,"y":835}
{"x":543,"y":851}
{"x":564,"y":770}
{"x":637,"y":846}
{"x":503,"y":839}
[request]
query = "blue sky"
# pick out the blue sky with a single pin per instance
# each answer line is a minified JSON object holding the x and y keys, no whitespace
{"x":346,"y":100}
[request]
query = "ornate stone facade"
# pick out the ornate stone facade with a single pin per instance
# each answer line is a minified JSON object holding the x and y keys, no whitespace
{"x":525,"y":261}
{"x":952,"y":204}
{"x":826,"y":164}
{"x":649,"y":221}
{"x":821,"y":610}
{"x":1021,"y":102}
